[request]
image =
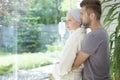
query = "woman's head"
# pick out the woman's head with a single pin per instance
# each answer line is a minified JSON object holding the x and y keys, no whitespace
{"x":73,"y":19}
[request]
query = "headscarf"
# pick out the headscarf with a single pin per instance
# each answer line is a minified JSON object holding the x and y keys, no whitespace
{"x":75,"y":13}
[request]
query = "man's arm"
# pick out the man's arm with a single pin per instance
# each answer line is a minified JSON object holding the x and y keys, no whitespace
{"x":80,"y":58}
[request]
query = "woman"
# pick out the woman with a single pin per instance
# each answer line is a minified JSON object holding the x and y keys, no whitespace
{"x":72,"y":46}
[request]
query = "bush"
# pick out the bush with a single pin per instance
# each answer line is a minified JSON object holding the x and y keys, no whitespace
{"x":5,"y":69}
{"x":53,"y":48}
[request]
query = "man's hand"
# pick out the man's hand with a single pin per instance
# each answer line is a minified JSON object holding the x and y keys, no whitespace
{"x":81,"y":57}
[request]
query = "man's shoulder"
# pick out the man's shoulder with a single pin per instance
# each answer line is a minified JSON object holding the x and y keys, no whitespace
{"x":97,"y":33}
{"x":94,"y":36}
{"x":90,"y":35}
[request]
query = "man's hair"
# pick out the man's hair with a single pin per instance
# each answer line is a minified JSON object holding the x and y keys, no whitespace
{"x":92,"y":5}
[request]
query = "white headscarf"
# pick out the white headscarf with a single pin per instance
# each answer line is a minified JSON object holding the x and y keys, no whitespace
{"x":76,"y":14}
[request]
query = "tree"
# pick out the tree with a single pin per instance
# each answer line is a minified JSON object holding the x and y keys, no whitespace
{"x":37,"y":13}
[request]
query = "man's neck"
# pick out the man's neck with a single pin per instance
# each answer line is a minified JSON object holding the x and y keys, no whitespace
{"x":94,"y":25}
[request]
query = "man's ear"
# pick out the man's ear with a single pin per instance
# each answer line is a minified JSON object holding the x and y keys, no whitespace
{"x":92,"y":16}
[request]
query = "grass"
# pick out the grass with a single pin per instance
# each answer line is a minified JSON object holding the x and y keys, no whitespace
{"x":27,"y":61}
{"x":24,"y":61}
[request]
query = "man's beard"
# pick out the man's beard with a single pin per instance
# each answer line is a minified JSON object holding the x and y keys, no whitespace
{"x":87,"y":24}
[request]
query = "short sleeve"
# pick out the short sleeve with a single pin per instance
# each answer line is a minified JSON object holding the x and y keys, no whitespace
{"x":90,"y":44}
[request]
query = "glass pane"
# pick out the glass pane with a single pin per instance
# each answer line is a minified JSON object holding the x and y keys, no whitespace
{"x":30,"y":40}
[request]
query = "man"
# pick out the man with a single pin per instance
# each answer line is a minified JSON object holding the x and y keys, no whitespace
{"x":95,"y":48}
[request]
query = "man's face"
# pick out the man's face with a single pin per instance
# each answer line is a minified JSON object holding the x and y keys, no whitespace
{"x":85,"y":17}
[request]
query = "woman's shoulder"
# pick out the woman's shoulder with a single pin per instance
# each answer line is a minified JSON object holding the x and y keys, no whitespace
{"x":78,"y":33}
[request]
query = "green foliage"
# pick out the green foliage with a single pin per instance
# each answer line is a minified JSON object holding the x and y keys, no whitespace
{"x":29,"y":32}
{"x":53,"y":48}
{"x":67,"y":5}
{"x":6,"y":12}
{"x":5,"y":69}
{"x":28,"y":17}
{"x":3,"y":51}
{"x":25,"y":61}
{"x":115,"y":48}
{"x":28,"y":38}
{"x":47,"y":10}
{"x":37,"y":13}
{"x":116,"y":59}
{"x":113,"y":15}
{"x":34,"y":60}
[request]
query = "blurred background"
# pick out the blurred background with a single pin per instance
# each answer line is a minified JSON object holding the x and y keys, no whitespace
{"x":31,"y":37}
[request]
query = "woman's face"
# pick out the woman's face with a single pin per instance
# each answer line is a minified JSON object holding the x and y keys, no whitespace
{"x":71,"y":23}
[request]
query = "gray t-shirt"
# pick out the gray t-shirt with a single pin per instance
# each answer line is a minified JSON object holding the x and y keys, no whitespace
{"x":97,"y":65}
